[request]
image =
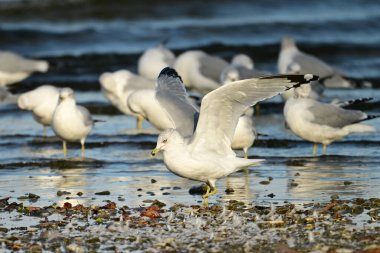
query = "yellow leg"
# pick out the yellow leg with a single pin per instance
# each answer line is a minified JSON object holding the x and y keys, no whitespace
{"x":44,"y":132}
{"x":245,"y":153}
{"x":324,"y":149}
{"x":205,"y":196}
{"x":64,"y":149}
{"x":139,"y":121}
{"x":82,"y":148}
{"x":315,"y":149}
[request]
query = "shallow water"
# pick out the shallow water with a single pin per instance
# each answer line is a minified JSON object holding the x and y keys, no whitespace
{"x":118,"y":157}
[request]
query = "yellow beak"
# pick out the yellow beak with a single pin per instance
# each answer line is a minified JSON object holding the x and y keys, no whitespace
{"x":155,"y":151}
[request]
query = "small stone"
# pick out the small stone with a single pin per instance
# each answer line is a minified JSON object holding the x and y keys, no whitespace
{"x":60,"y":193}
{"x":334,"y":196}
{"x":177,"y":188}
{"x":229,"y":190}
{"x":103,"y":193}
{"x":198,"y":190}
{"x":139,"y":189}
{"x":264,"y":182}
{"x":293,"y":184}
{"x":166,"y":193}
{"x":80,"y":194}
{"x":270,"y":178}
{"x":347,"y":182}
{"x":271,"y":195}
{"x":153,"y":181}
{"x":297,"y":174}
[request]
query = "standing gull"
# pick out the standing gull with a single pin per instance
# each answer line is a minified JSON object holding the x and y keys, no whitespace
{"x":200,"y":71}
{"x":245,"y":132}
{"x":205,"y":154}
{"x":71,"y":122}
{"x":153,"y":60}
{"x":143,"y":102}
{"x":117,"y":87}
{"x":293,"y":60}
{"x":41,"y":102}
{"x":322,"y":123}
{"x":15,"y":68}
{"x":241,"y":67}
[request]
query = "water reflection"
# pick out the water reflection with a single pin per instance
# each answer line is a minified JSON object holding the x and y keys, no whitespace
{"x":328,"y":175}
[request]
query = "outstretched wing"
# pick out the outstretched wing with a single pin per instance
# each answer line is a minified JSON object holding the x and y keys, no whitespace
{"x":171,"y":95}
{"x":221,"y":108}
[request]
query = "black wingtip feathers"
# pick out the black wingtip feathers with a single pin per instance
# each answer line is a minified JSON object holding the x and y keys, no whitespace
{"x":169,"y":72}
{"x":297,"y":79}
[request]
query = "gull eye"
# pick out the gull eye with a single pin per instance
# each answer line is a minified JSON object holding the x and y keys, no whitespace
{"x":165,"y":141}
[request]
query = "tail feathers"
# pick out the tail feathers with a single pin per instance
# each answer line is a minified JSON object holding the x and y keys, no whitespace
{"x":98,"y":120}
{"x":360,"y":128}
{"x":242,"y":162}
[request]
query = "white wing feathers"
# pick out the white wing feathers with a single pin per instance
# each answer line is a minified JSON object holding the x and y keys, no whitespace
{"x":221,"y":108}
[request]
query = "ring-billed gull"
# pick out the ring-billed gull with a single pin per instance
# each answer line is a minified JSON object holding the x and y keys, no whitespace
{"x":143,"y":102}
{"x":293,"y":60}
{"x":206,"y":155}
{"x":200,"y":71}
{"x":71,"y":122}
{"x":319,"y":122}
{"x":41,"y":102}
{"x":153,"y":60}
{"x":245,"y":132}
{"x":117,"y":86}
{"x":15,"y":68}
{"x":241,"y":67}
{"x":183,"y":115}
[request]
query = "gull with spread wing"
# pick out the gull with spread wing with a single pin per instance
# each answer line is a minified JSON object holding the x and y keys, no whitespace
{"x":201,"y":149}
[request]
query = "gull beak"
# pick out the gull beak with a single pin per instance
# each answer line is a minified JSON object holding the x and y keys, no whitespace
{"x":155,"y":151}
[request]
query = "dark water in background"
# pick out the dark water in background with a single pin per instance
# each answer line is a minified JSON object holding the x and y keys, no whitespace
{"x":83,"y":39}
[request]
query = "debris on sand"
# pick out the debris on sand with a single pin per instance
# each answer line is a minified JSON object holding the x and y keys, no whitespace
{"x":336,"y":226}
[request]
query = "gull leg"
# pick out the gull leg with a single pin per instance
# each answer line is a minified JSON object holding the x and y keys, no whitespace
{"x":82,"y":147}
{"x":315,"y":149}
{"x":210,"y":184}
{"x":139,"y":121}
{"x":205,"y":196}
{"x":44,"y":132}
{"x":64,"y":149}
{"x":245,"y":153}
{"x":324,"y":149}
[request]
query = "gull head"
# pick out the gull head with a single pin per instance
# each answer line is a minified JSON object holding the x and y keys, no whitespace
{"x":66,"y":94}
{"x":229,"y":75}
{"x":303,"y":91}
{"x":243,"y":60}
{"x":165,"y":139}
{"x":114,"y":82}
{"x":288,"y":42}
